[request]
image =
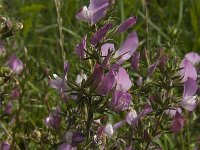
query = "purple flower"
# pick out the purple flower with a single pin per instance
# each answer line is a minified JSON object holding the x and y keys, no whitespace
{"x":146,"y":110}
{"x":123,"y":81}
{"x":126,"y":24}
{"x":15,"y":94}
{"x":106,"y":61}
{"x":131,"y":118}
{"x":15,"y":64}
{"x":128,"y":48}
{"x":66,"y":146}
{"x":135,"y":61}
{"x":95,"y":12}
{"x":8,"y":108}
{"x":177,"y":122}
{"x":190,"y":88}
{"x":54,"y":119}
{"x":108,"y":129}
{"x":59,"y":83}
{"x":118,"y":124}
{"x":100,"y":34}
{"x":80,"y":48}
{"x":106,"y":51}
{"x":188,"y":70}
{"x":120,"y":100}
{"x":77,"y":138}
{"x":193,"y":57}
{"x":97,"y":75}
{"x":108,"y":82}
{"x":152,"y":68}
{"x":172,"y":111}
{"x":4,"y":146}
{"x":106,"y":48}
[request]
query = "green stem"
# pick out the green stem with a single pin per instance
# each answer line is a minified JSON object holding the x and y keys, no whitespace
{"x":89,"y":117}
{"x":60,"y":28}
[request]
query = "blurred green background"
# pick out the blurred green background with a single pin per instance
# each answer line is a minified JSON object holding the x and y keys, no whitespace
{"x":40,"y":37}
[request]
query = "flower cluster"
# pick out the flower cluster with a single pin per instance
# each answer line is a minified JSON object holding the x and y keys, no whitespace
{"x":105,"y":90}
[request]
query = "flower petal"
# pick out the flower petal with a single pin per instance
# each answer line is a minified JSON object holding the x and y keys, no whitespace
{"x":189,"y":103}
{"x":107,"y":83}
{"x":106,"y":47}
{"x":84,"y":14}
{"x":120,"y":100}
{"x":65,"y":146}
{"x":123,"y":81}
{"x":177,"y":122}
{"x":128,"y":48}
{"x":108,"y":129}
{"x":193,"y":57}
{"x":131,"y":117}
{"x":190,"y":87}
{"x":15,"y":64}
{"x":80,"y":48}
{"x":100,"y":34}
{"x":135,"y":61}
{"x":4,"y":146}
{"x":126,"y":24}
{"x":152,"y":68}
{"x":98,"y":9}
{"x":188,"y":70}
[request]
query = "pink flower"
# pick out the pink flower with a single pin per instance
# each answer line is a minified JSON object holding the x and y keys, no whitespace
{"x":66,"y":146}
{"x":59,"y":83}
{"x":120,"y":100}
{"x":106,"y":47}
{"x":4,"y":146}
{"x":80,"y":48}
{"x":126,"y":24}
{"x":188,"y":70}
{"x":100,"y":34}
{"x":15,"y":64}
{"x":128,"y":48}
{"x":123,"y":81}
{"x":95,"y":12}
{"x":177,"y":122}
{"x":135,"y":61}
{"x":107,"y":83}
{"x":54,"y":119}
{"x":131,"y":118}
{"x":190,"y":88}
{"x":193,"y":57}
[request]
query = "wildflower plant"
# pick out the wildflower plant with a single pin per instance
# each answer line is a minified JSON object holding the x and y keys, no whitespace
{"x":122,"y":95}
{"x":125,"y":95}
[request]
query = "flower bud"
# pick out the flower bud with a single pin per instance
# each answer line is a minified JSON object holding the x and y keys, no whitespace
{"x":100,"y":34}
{"x":5,"y":146}
{"x":125,"y":25}
{"x":135,"y":61}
